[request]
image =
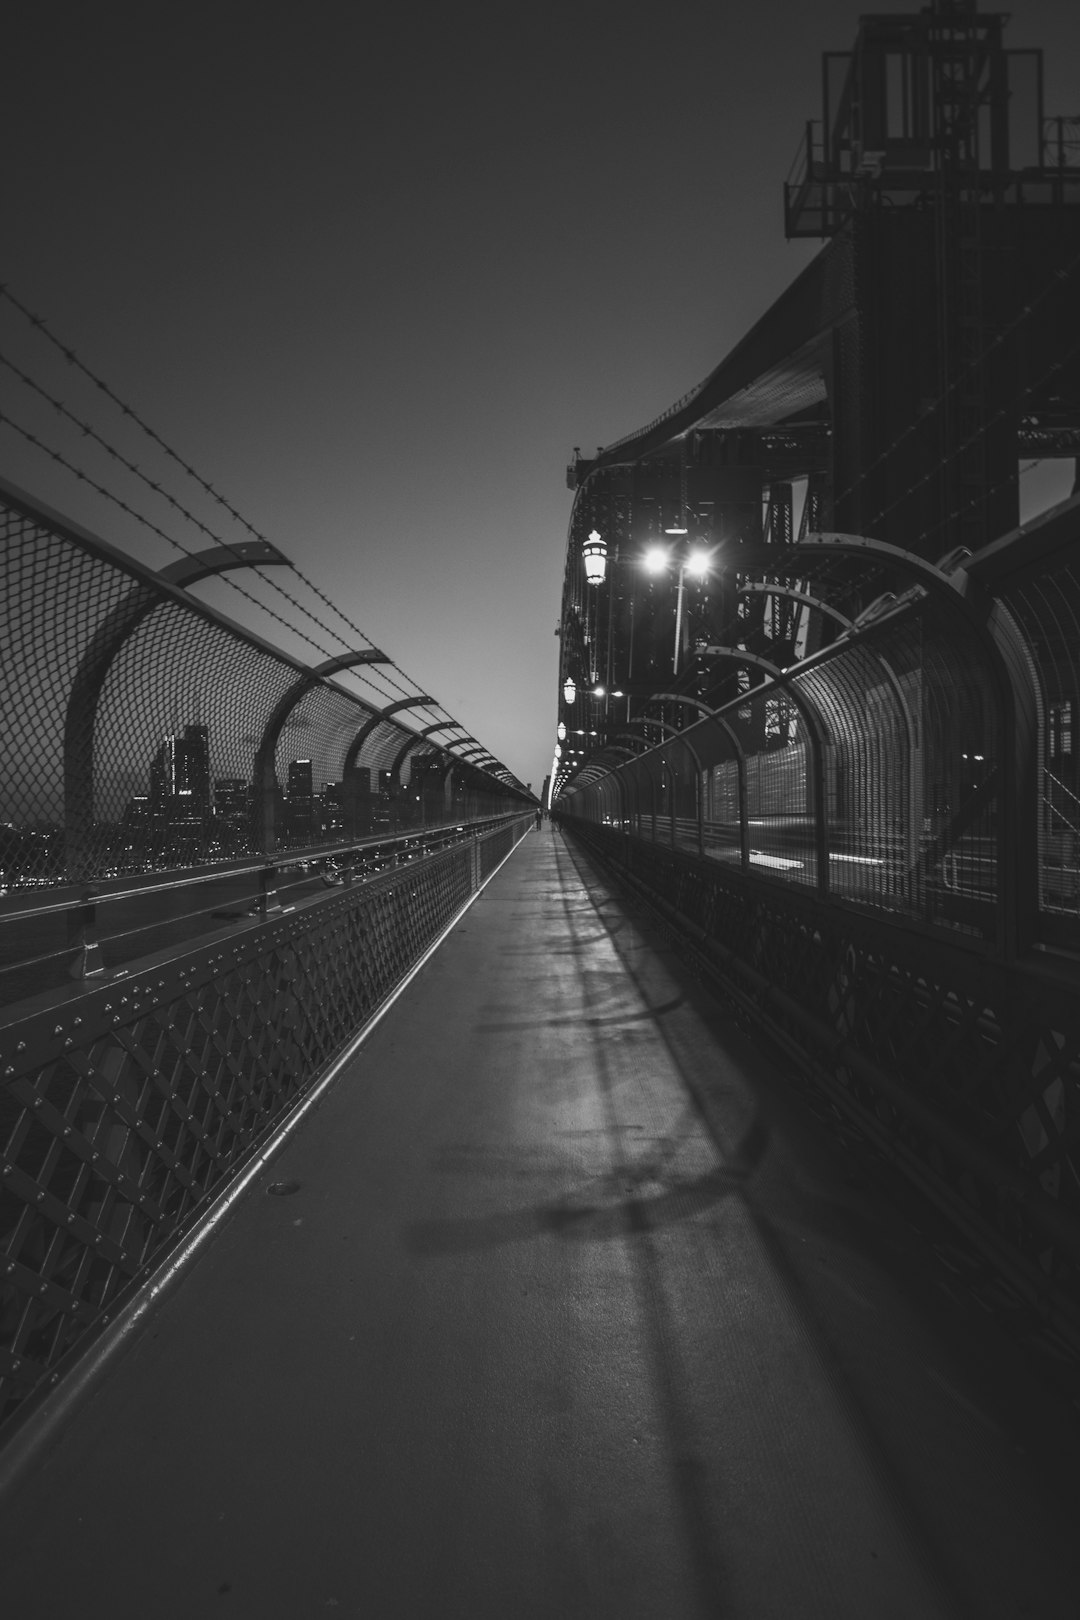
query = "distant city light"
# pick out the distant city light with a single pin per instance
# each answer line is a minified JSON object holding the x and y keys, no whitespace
{"x":656,"y":559}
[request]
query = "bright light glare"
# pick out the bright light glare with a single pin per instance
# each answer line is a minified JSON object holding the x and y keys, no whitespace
{"x":656,"y":559}
{"x":759,"y":858}
{"x":698,"y":564}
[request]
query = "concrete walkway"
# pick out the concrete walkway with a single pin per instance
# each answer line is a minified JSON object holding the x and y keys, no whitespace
{"x":577,"y":1311}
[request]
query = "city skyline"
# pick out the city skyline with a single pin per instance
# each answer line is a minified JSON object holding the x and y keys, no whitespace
{"x":378,"y":301}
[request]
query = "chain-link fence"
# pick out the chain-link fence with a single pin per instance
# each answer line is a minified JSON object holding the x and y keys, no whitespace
{"x":236,"y":860}
{"x":160,"y":765}
{"x":876,"y":850}
{"x":126,"y":1108}
{"x":144,"y":732}
{"x":923,"y":762}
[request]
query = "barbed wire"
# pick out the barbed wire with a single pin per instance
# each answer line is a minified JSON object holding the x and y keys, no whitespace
{"x":364,"y":675}
{"x":378,"y":680}
{"x":38,"y":323}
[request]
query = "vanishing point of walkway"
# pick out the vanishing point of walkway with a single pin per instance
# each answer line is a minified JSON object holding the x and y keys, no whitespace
{"x":568,"y":1305}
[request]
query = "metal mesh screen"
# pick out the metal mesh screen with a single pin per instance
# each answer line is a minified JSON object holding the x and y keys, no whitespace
{"x":125,"y":1111}
{"x":963,"y":1072}
{"x":135,"y":722}
{"x":1048,"y":609}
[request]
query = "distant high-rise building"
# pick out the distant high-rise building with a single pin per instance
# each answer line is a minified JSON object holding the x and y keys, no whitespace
{"x":137,"y":813}
{"x":196,"y":741}
{"x":332,"y":807}
{"x":232,"y":799}
{"x":180,"y":781}
{"x":232,"y":813}
{"x":299,"y":802}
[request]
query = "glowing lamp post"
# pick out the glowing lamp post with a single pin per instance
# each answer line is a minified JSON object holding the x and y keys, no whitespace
{"x":594,"y":552}
{"x":697,"y":564}
{"x":569,"y":690}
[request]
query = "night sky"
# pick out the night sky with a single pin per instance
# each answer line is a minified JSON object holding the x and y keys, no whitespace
{"x":376,"y":279}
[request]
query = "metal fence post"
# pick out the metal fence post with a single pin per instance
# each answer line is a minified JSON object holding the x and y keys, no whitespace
{"x":268,"y":894}
{"x":82,"y":935}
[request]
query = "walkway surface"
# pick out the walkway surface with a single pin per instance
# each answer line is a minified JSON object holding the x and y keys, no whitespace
{"x":578,"y":1310}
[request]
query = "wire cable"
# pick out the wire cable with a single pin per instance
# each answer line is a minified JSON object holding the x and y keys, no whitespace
{"x":371,"y":678}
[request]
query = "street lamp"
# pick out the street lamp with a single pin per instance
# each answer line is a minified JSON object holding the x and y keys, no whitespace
{"x":569,"y":690}
{"x":594,"y":552}
{"x":696,"y":564}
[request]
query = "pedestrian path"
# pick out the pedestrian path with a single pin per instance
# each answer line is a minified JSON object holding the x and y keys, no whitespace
{"x":565,"y":1305}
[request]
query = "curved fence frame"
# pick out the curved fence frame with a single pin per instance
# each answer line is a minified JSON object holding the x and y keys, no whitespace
{"x":905,"y":917}
{"x":128,"y":702}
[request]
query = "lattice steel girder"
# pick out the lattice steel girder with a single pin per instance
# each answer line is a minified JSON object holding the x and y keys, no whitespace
{"x":678,"y":697}
{"x":790,"y":594}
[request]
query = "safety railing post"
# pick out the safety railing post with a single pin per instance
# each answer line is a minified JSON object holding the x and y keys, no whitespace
{"x":268,"y":892}
{"x":82,"y":936}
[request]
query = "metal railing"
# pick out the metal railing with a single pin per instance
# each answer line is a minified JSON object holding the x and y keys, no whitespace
{"x":194,"y":922}
{"x":875,"y":850}
{"x":142,"y":731}
{"x":129,"y":1103}
{"x":78,"y":931}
